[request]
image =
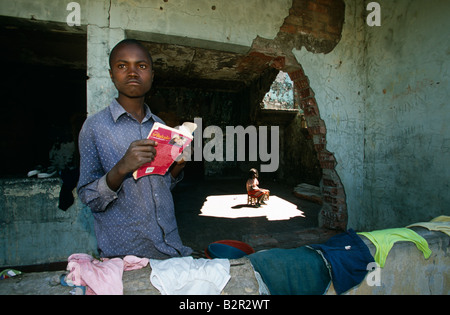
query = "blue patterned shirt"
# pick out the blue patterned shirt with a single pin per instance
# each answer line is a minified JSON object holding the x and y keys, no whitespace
{"x":138,"y":219}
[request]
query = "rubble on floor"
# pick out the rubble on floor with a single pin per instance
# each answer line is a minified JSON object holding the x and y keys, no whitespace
{"x":308,"y":192}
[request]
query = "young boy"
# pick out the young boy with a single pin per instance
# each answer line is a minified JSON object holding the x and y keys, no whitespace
{"x":253,"y":190}
{"x":131,"y":217}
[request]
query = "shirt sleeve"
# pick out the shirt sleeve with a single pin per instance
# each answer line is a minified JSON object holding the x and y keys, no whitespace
{"x":92,"y":187}
{"x":97,"y":195}
{"x":175,"y":181}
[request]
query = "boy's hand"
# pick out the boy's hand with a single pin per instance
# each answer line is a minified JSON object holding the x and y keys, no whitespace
{"x":139,"y":152}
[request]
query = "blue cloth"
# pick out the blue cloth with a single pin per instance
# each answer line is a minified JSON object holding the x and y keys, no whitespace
{"x":299,"y":271}
{"x":138,"y":219}
{"x":348,"y":256}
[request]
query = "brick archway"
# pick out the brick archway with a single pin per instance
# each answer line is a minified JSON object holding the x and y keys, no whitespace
{"x":317,"y":26}
{"x":333,"y":214}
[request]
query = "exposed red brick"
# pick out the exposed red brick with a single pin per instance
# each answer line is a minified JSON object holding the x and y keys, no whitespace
{"x":326,"y":2}
{"x":311,"y":111}
{"x":317,"y":7}
{"x":317,"y":130}
{"x":308,"y":102}
{"x":333,"y":191}
{"x":289,"y":28}
{"x":330,"y":183}
{"x":319,"y":147}
{"x":330,"y":175}
{"x":302,"y":84}
{"x":326,"y":160}
{"x":326,"y":156}
{"x":327,"y":199}
{"x":294,"y":20}
{"x":295,"y":75}
{"x":278,"y":63}
{"x":306,"y":93}
{"x":337,"y":204}
{"x":334,"y":29}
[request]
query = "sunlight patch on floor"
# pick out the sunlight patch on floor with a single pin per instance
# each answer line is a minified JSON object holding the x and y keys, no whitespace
{"x":235,"y":206}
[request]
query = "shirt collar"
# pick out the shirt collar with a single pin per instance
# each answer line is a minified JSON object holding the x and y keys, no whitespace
{"x":117,"y":110}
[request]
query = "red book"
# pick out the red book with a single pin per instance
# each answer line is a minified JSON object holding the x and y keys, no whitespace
{"x":171,"y":143}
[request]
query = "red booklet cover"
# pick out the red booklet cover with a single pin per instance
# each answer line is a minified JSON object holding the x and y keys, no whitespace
{"x":171,"y":143}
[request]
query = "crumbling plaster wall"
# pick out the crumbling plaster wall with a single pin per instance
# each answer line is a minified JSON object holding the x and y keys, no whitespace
{"x":382,"y":93}
{"x":337,"y":81}
{"x":227,"y":25}
{"x":223,"y":25}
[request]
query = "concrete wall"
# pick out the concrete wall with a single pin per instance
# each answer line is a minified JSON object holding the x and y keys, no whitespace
{"x":407,"y":138}
{"x":382,"y":93}
{"x":33,"y":230}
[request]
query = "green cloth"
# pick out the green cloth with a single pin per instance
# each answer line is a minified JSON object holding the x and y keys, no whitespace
{"x":441,"y":224}
{"x":296,"y":271}
{"x":385,"y":239}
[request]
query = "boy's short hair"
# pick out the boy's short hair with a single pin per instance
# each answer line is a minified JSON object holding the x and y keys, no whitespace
{"x":130,"y":41}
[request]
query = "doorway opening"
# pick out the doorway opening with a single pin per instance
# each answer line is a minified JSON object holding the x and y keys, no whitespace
{"x":44,"y":98}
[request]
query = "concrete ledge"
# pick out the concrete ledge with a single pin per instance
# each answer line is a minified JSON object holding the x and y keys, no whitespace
{"x":136,"y":282}
{"x":406,"y":272}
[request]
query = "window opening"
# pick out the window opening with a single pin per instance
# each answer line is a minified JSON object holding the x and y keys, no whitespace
{"x":281,"y":93}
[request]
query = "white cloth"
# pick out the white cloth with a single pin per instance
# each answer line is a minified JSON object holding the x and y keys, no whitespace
{"x":189,"y":276}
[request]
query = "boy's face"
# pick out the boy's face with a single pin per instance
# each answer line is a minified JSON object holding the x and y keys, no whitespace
{"x":131,"y":71}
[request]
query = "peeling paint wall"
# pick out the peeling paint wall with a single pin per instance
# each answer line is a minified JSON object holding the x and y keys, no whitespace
{"x":407,"y":138}
{"x":225,"y":21}
{"x":383,"y":93}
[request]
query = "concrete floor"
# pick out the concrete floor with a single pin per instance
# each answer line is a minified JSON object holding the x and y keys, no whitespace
{"x":209,"y":210}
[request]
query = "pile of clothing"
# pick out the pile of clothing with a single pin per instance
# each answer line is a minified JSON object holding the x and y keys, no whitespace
{"x":309,"y":270}
{"x":92,"y":276}
{"x":183,"y":276}
{"x":343,"y":260}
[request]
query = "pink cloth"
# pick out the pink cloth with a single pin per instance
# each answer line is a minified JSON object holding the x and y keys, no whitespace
{"x":134,"y":263}
{"x":101,"y":277}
